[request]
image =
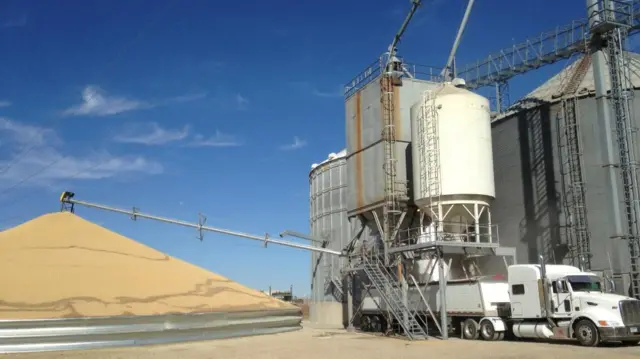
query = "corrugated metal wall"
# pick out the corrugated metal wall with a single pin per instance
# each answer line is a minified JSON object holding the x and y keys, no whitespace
{"x":328,"y":219}
{"x":528,"y":206}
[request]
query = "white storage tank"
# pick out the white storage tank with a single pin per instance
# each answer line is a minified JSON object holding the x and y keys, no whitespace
{"x":453,"y":182}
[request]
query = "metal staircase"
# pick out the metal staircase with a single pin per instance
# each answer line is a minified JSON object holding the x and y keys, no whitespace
{"x":391,"y":293}
{"x":333,"y":285}
{"x":571,"y":169}
{"x":429,"y":155}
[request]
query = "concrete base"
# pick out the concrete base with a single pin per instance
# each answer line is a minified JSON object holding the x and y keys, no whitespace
{"x":326,"y":314}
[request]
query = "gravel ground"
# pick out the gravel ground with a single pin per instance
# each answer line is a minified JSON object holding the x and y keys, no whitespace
{"x":312,"y":343}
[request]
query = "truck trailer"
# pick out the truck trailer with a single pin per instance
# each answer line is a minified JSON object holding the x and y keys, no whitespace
{"x":538,"y":301}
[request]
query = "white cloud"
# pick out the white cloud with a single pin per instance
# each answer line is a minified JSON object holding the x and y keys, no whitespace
{"x":23,"y":134}
{"x":152,"y":134}
{"x":95,"y":166}
{"x":46,"y":162}
{"x":242,"y":102}
{"x":5,"y":103}
{"x":17,"y":22}
{"x":189,"y":97}
{"x":96,"y":102}
{"x":297,"y":143}
{"x":338,"y":92}
{"x":218,"y":140}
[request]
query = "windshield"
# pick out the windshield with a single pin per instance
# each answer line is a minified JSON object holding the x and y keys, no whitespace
{"x":585,"y":283}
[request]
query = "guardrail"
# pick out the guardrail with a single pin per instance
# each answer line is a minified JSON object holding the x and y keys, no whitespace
{"x":89,"y":333}
{"x":373,"y":70}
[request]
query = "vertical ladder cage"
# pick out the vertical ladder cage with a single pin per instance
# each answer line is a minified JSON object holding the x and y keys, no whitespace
{"x":572,"y":169}
{"x":429,"y":149}
{"x":612,"y":20}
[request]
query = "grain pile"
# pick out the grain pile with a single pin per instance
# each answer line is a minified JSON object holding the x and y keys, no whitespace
{"x":62,"y":266}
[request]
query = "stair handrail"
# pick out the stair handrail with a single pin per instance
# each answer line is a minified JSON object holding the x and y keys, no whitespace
{"x":426,"y":303}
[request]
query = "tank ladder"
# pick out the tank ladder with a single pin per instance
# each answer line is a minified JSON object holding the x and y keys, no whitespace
{"x":621,"y":101}
{"x":390,"y":292}
{"x":429,"y":156}
{"x":395,"y":191}
{"x":571,"y":169}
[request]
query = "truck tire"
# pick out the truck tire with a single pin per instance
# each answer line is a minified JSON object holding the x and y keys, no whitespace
{"x":587,"y":333}
{"x":376,"y":324}
{"x":365,"y":323}
{"x":488,"y":331}
{"x":470,"y":330}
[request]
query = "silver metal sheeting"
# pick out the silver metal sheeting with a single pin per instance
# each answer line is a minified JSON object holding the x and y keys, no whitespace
{"x":89,"y":333}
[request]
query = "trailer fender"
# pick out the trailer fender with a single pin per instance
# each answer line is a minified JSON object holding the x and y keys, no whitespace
{"x":498,"y":323}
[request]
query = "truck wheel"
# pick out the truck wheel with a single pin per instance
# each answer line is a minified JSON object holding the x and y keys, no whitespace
{"x":376,"y":326}
{"x":587,"y":333}
{"x":470,"y":329}
{"x":501,"y":336}
{"x":487,"y":331}
{"x":365,"y":325}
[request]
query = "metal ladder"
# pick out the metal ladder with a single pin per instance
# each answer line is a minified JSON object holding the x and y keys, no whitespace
{"x":395,"y":191}
{"x":429,"y":155}
{"x":391,"y":294}
{"x":572,"y":169}
{"x":621,"y":102}
{"x":538,"y":133}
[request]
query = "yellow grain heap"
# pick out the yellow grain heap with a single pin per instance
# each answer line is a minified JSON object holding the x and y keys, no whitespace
{"x":62,"y":266}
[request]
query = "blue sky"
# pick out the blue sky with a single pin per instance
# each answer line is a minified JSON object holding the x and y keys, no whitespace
{"x":219,"y":107}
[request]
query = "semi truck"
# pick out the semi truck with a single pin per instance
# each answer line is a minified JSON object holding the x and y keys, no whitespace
{"x":538,"y":301}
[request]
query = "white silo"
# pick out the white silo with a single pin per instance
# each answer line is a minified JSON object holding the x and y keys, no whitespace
{"x":453,"y":183}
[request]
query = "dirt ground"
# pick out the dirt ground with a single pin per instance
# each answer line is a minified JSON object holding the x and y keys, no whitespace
{"x":312,"y":343}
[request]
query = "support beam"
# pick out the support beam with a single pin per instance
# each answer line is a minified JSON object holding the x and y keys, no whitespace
{"x":350,"y":327}
{"x":444,"y":325}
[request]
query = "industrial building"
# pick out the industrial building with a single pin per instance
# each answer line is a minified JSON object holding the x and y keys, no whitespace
{"x":439,"y":186}
{"x":531,"y":164}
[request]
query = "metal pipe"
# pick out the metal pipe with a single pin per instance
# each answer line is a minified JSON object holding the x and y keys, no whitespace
{"x":545,"y":291}
{"x":443,"y":298}
{"x":349,"y":289}
{"x":606,"y":132}
{"x":454,"y":49}
{"x":302,"y":236}
{"x":265,"y":239}
{"x":392,"y":48}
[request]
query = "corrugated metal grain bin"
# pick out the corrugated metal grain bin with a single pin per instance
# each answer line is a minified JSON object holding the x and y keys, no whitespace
{"x":529,"y":205}
{"x":328,"y":219}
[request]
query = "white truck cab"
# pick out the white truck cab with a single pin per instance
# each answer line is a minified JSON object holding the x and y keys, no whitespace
{"x":571,"y":304}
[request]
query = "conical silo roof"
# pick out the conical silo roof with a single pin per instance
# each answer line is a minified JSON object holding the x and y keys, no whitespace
{"x":552,"y":89}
